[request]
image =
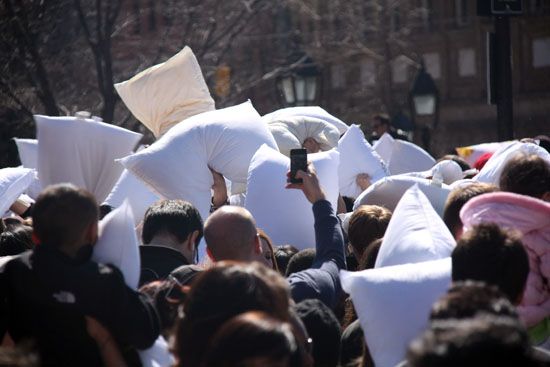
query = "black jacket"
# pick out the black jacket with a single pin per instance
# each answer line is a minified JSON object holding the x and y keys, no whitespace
{"x":46,"y":295}
{"x":157,"y":262}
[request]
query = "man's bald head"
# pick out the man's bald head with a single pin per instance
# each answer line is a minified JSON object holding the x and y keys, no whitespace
{"x":230,"y":234}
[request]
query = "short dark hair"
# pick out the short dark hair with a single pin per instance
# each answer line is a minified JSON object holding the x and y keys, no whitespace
{"x":16,"y":240}
{"x":62,"y":213}
{"x":178,"y":218}
{"x":456,"y":200}
{"x":301,"y":261}
{"x":382,"y":117}
{"x":482,"y":341}
{"x":283,"y":254}
{"x":526,"y":175}
{"x":366,"y":224}
{"x":323,"y":327}
{"x":466,"y":299}
{"x":220,"y":293}
{"x":492,"y":255}
{"x":249,"y":336}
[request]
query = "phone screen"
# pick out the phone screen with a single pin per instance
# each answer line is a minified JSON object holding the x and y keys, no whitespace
{"x":298,"y":161}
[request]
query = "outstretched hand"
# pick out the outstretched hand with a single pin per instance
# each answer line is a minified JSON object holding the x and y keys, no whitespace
{"x":219,"y":189}
{"x":310,"y":184}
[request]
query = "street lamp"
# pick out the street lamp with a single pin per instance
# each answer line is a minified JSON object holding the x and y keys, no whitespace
{"x":424,"y":103}
{"x":299,"y":86}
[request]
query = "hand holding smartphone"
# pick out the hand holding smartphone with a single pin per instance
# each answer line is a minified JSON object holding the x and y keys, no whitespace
{"x":298,"y":162}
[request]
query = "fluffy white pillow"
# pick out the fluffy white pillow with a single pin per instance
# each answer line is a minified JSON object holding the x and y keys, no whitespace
{"x":384,"y":147}
{"x":124,"y":254}
{"x":415,"y":233}
{"x":490,"y":173}
{"x":308,"y":111}
{"x":86,"y":154}
{"x":118,"y":244}
{"x":471,"y":153}
{"x":13,"y":182}
{"x":28,"y":152}
{"x":402,"y":156}
{"x":388,"y":191}
{"x":131,"y":189}
{"x":393,"y":304}
{"x":285,"y":214}
{"x":167,"y":93}
{"x":291,"y":132}
{"x":449,"y":171}
{"x":357,"y":156}
{"x":176,"y":165}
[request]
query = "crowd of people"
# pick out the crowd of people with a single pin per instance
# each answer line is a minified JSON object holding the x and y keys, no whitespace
{"x":252,"y":302}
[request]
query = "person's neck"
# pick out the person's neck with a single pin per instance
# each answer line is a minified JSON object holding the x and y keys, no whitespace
{"x":165,"y":241}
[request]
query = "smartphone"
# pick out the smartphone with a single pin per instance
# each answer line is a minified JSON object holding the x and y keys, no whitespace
{"x":298,"y":161}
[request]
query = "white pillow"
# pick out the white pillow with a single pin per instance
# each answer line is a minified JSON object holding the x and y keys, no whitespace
{"x":357,"y":156}
{"x":393,"y":304}
{"x":402,"y":156}
{"x":28,"y":152}
{"x":13,"y":182}
{"x":384,"y":147}
{"x":86,"y":154}
{"x":167,"y":93}
{"x":415,"y":233}
{"x":471,"y":153}
{"x":308,"y":111}
{"x":118,"y":244}
{"x":490,"y":173}
{"x":285,"y":214}
{"x":130,"y":188}
{"x":388,"y":191}
{"x":124,"y":254}
{"x":291,"y":132}
{"x":448,"y":170}
{"x":176,"y":165}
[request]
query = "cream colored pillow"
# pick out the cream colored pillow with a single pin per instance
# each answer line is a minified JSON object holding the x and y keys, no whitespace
{"x":167,"y":93}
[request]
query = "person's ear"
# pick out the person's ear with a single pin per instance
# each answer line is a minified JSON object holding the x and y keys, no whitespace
{"x":257,"y":244}
{"x":209,"y":253}
{"x":92,"y":233}
{"x":192,"y":240}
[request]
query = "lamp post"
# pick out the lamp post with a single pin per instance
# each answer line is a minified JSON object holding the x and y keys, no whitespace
{"x":300,"y":85}
{"x":424,"y":104}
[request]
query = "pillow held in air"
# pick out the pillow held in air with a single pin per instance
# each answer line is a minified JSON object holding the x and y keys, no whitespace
{"x":308,"y":111}
{"x":28,"y":152}
{"x":393,"y":304}
{"x":402,"y":156}
{"x":388,"y":191}
{"x":124,"y":254}
{"x":118,"y":244}
{"x":86,"y":154}
{"x":13,"y":182}
{"x":471,"y":153}
{"x":490,"y":173}
{"x":138,"y":195}
{"x":285,"y":214}
{"x":357,"y":156}
{"x":165,"y":94}
{"x":449,"y":171}
{"x":415,"y":233}
{"x":176,"y":165}
{"x":291,"y":132}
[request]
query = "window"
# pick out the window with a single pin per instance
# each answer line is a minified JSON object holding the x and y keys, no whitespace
{"x":541,"y":52}
{"x":466,"y":62}
{"x":338,"y":76}
{"x":432,"y":63}
{"x":461,"y":12}
{"x":427,"y":13}
{"x":400,"y":70}
{"x":368,"y":73}
{"x":395,"y":20}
